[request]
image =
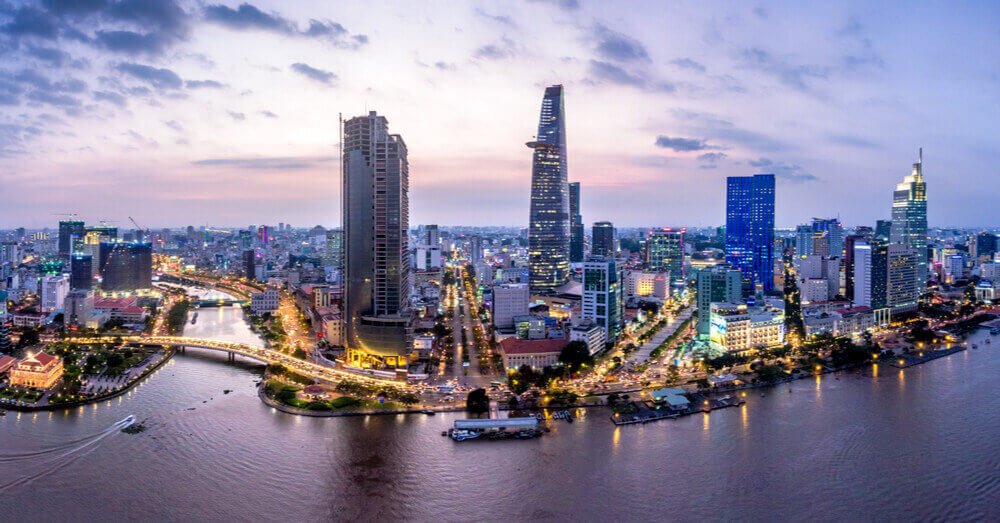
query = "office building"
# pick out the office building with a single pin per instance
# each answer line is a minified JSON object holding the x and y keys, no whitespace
{"x":602,"y":296}
{"x":334,"y":255}
{"x":375,"y":206}
{"x":665,"y":251}
{"x":71,"y":232}
{"x":509,"y":300}
{"x":426,"y":257}
{"x":849,"y":243}
{"x":833,"y":232}
{"x":902,"y":291}
{"x":803,"y":240}
{"x":54,"y":291}
{"x":603,"y":239}
{"x":986,"y":245}
{"x":548,"y":223}
{"x":126,"y":266}
{"x":432,"y":235}
{"x":909,"y":220}
{"x":871,"y":274}
{"x":475,"y":249}
{"x":249,"y":265}
{"x":883,"y":229}
{"x":750,"y":229}
{"x":78,"y":308}
{"x":717,"y":284}
{"x":576,"y":224}
{"x":81,"y":271}
{"x":591,"y":334}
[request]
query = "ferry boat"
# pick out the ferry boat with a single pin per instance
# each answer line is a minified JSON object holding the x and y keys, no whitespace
{"x":462,"y":435}
{"x":995,"y":331}
{"x":128,"y":421}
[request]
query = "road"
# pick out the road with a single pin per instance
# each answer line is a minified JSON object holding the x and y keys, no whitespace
{"x":642,"y":353}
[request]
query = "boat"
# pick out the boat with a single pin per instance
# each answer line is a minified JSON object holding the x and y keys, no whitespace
{"x":428,"y":412}
{"x":462,"y":435}
{"x":995,"y":331}
{"x":128,"y":421}
{"x":3,"y":412}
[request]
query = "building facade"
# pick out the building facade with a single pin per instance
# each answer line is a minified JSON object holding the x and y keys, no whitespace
{"x":548,"y":222}
{"x":576,"y":224}
{"x":665,"y":251}
{"x":750,"y":229}
{"x":715,"y":285}
{"x":909,"y":220}
{"x":603,"y":239}
{"x":602,"y":296}
{"x":376,"y":278}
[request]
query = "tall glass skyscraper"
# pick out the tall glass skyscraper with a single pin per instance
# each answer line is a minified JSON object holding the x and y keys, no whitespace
{"x":750,"y":229}
{"x":909,"y":218}
{"x":603,"y":239}
{"x":576,"y":224}
{"x":548,"y":224}
{"x":376,"y":275}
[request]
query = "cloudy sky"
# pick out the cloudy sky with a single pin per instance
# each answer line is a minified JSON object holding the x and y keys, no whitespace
{"x":226,"y":113}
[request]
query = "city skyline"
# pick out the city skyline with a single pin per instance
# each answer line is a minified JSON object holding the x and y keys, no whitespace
{"x":152,"y":103}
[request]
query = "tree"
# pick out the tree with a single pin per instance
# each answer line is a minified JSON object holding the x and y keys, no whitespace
{"x":29,"y":337}
{"x":794,"y":324}
{"x":477,"y":401}
{"x":300,"y":354}
{"x":115,"y":360}
{"x":770,"y":373}
{"x":576,"y":355}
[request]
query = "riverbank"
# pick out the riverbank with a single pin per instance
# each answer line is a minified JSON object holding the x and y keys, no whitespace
{"x":344,"y":413}
{"x":168,"y":353}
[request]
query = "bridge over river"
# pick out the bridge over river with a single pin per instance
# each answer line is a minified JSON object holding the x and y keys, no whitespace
{"x":269,"y":356}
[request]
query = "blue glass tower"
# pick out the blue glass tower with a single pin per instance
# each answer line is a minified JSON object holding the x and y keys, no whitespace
{"x":548,"y":223}
{"x":750,"y":229}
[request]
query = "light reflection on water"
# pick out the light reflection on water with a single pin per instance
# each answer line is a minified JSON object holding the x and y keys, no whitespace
{"x":227,"y":456}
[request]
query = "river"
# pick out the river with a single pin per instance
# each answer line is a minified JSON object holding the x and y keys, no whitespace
{"x":900,"y":445}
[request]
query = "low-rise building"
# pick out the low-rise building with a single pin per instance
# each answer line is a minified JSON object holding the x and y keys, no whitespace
{"x":537,"y":354}
{"x":738,"y":328}
{"x":591,"y":334}
{"x":37,"y":371}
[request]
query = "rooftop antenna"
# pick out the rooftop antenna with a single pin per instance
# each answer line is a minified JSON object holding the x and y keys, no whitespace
{"x":920,"y":155}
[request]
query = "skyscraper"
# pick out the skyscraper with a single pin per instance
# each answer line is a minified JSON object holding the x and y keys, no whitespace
{"x":902,"y":279}
{"x":909,"y":219}
{"x":883,"y":229}
{"x":376,"y":257}
{"x":849,"y":244}
{"x":750,"y":229}
{"x":334,"y":255}
{"x":576,"y":224}
{"x":126,"y":266}
{"x":665,"y":251}
{"x":70,"y":232}
{"x":602,"y":295}
{"x":432,"y":235}
{"x":548,"y":223}
{"x":603,"y":239}
{"x":81,"y":273}
{"x":835,"y":235}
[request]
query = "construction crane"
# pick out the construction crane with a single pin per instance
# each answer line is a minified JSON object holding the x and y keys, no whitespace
{"x":137,"y":226}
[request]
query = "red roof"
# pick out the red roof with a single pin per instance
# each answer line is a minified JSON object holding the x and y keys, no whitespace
{"x":114,"y":303}
{"x":854,"y":310}
{"x":6,"y":362}
{"x":40,"y":359}
{"x":518,"y":346}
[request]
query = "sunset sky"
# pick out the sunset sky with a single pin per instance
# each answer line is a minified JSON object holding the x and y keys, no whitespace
{"x":226,"y":114}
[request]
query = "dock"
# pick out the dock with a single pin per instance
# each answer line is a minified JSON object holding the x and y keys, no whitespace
{"x":646,"y":411}
{"x":902,"y":361}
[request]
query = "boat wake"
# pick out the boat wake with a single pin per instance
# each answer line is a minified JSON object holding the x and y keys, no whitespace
{"x":58,"y":456}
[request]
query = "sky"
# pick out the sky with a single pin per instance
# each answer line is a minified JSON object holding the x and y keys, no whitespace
{"x":226,"y":113}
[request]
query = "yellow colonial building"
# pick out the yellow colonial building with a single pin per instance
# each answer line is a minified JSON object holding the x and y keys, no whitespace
{"x":39,"y":371}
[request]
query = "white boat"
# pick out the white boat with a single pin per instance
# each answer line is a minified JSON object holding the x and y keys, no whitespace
{"x":128,"y":421}
{"x":462,"y":435}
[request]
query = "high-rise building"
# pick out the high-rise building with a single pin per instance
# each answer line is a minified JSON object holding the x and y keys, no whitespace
{"x":665,"y":251}
{"x":986,"y":244}
{"x":548,"y":223}
{"x":803,"y":240}
{"x":334,"y":255}
{"x":865,"y":232}
{"x":883,"y":229}
{"x":901,"y":289}
{"x":54,"y":291}
{"x":246,"y":239}
{"x":6,"y":346}
{"x":834,"y":235}
{"x":750,"y":229}
{"x":126,"y":266}
{"x":376,"y":213}
{"x":432,"y":235}
{"x":70,"y":233}
{"x":909,"y":219}
{"x":602,"y":295}
{"x":509,"y":300}
{"x":603,"y":239}
{"x":475,"y":249}
{"x":717,"y":284}
{"x":81,"y":271}
{"x":576,"y":224}
{"x":249,"y":265}
{"x":849,"y":243}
